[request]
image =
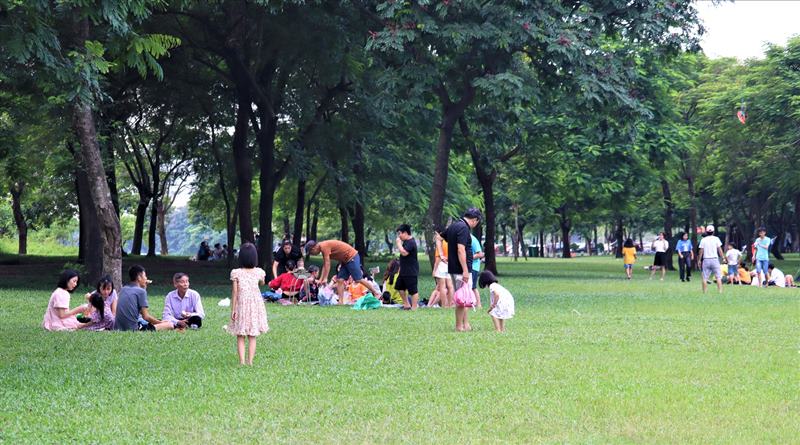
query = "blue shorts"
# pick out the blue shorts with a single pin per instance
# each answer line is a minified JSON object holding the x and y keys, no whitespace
{"x":762,"y":266}
{"x":629,"y":266}
{"x":352,"y":269}
{"x":475,"y":279}
{"x":733,"y":269}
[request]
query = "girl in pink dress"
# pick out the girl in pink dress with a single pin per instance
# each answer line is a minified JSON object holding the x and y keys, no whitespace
{"x":248,"y":314}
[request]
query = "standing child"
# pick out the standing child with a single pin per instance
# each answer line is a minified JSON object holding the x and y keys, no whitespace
{"x":733,"y":255}
{"x":628,"y":257}
{"x":762,"y":245}
{"x":501,"y":302}
{"x":248,"y":314}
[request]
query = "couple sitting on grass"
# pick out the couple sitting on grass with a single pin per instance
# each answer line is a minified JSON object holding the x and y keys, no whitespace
{"x":128,"y":311}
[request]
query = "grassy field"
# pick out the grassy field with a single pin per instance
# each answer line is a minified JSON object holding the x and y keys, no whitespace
{"x":589,"y":358}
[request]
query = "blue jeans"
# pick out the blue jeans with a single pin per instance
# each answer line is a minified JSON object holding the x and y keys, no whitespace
{"x":762,"y":266}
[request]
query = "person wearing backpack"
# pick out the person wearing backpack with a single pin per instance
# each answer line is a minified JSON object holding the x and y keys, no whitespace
{"x":459,"y":264}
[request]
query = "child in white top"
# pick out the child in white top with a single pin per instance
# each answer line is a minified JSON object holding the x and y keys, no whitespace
{"x":501,"y":302}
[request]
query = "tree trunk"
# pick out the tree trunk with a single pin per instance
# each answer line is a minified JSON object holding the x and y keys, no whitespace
{"x":491,"y":226}
{"x":109,"y":228}
{"x":345,"y":231}
{"x":314,"y":221}
{"x":90,"y":250}
{"x":162,"y":227}
{"x":138,"y":226}
{"x":451,"y":112}
{"x":541,"y":243}
{"x":298,"y":212}
{"x":521,"y":238}
{"x":505,"y":239}
{"x":110,"y":163}
{"x":692,"y":215}
{"x":242,"y":164}
{"x":566,"y":226}
{"x":19,"y":218}
{"x":358,"y":231}
{"x":389,"y":243}
{"x":669,"y":211}
{"x":796,"y":240}
{"x":618,"y":235}
{"x":157,"y":196}
{"x":231,"y":234}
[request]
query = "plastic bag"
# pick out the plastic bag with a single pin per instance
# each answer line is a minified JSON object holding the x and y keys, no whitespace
{"x":463,"y":296}
{"x":366,"y":302}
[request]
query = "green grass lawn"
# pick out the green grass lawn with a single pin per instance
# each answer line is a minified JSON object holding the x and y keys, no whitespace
{"x":589,"y":358}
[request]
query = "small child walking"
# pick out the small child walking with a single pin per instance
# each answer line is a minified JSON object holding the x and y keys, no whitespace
{"x":248,"y":314}
{"x":501,"y":302}
{"x":629,"y":257}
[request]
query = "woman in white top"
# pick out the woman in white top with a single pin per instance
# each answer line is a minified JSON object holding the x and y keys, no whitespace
{"x":660,"y":262}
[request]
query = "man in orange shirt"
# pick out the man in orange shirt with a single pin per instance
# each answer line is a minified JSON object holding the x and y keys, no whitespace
{"x":347,"y":257}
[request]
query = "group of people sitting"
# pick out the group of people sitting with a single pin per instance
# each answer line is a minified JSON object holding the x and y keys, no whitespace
{"x":205,"y":253}
{"x":106,"y":310}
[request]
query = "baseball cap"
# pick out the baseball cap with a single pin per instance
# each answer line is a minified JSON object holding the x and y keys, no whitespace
{"x":710,"y":228}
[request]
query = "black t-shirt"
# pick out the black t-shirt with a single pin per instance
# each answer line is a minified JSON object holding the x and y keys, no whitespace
{"x":409,"y":264}
{"x":282,"y":257}
{"x":458,"y":233}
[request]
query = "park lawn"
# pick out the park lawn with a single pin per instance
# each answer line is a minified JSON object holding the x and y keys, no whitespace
{"x":589,"y":357}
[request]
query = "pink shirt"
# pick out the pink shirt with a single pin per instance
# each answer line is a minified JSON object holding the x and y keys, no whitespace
{"x":51,"y":322}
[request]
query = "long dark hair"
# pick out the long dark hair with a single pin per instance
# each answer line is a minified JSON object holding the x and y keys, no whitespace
{"x":391,"y":270}
{"x":96,"y":300}
{"x":64,"y":278}
{"x":628,"y":243}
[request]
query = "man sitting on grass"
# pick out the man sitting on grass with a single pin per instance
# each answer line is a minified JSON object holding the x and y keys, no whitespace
{"x":182,"y":307}
{"x":132,"y":313}
{"x":778,"y":278}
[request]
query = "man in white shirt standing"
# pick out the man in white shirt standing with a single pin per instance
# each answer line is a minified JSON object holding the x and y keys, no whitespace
{"x":710,"y":253}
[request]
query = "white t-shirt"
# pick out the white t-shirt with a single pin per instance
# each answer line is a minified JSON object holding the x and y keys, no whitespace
{"x":733,"y":256}
{"x":709,"y":245}
{"x":661,"y":245}
{"x":778,"y":277}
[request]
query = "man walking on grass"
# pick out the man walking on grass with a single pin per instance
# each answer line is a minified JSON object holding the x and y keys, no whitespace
{"x":710,"y":253}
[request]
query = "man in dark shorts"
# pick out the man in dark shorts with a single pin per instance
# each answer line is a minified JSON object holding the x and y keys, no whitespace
{"x":286,"y":252}
{"x":406,"y":282}
{"x":347,"y":257}
{"x":459,"y":257}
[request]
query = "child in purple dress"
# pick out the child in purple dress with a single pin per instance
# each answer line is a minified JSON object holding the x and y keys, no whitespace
{"x":101,"y":319}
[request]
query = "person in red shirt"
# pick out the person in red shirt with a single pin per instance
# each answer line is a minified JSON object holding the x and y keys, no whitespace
{"x":286,"y":281}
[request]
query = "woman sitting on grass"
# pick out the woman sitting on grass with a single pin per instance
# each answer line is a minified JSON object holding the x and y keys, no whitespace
{"x":58,"y":316}
{"x":390,"y":294}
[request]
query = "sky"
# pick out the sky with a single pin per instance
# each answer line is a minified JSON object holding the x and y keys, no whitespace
{"x":740,"y":29}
